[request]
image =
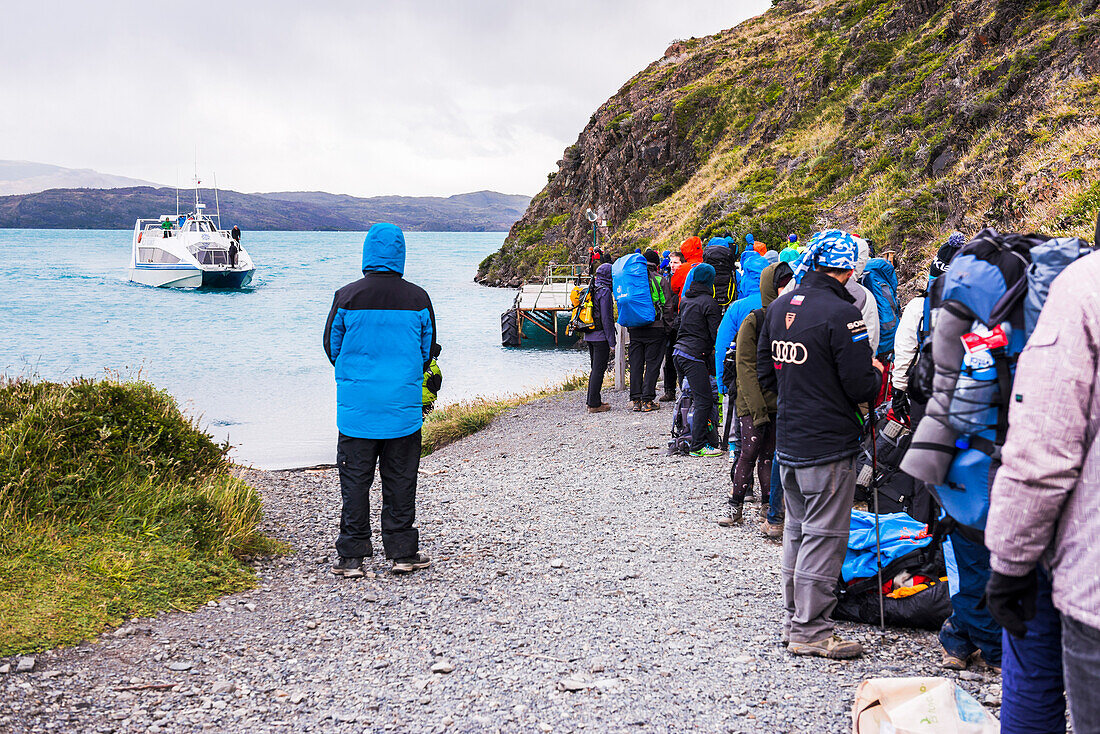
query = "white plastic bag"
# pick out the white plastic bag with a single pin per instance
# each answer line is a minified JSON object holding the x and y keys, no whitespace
{"x":918,"y":706}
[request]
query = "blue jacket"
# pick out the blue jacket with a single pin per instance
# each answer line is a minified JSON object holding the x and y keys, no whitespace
{"x":749,"y":291}
{"x":379,"y":335}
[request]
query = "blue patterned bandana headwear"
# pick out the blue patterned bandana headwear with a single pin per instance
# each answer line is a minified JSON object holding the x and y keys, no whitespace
{"x":833,"y":248}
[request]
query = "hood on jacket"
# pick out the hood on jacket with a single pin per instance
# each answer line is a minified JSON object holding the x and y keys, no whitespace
{"x":702,"y":279}
{"x":771,"y":256}
{"x":789,"y":254}
{"x":769,"y":282}
{"x":752,"y":266}
{"x":721,"y":241}
{"x":384,"y":249}
{"x":862,"y":258}
{"x":692,"y":248}
{"x":745,"y":256}
{"x":603,"y":275}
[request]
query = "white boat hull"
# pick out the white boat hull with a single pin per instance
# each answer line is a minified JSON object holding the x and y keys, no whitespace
{"x":169,"y":276}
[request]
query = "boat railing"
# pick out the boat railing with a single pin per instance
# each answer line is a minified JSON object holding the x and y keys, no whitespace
{"x":569,"y":273}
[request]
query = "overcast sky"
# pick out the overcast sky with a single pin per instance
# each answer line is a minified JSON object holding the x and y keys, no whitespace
{"x":365,"y":98}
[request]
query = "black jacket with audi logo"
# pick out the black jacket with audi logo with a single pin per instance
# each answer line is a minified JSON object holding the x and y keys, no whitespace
{"x":814,"y":352}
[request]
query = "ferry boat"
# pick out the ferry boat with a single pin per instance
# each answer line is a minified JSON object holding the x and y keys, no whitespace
{"x":540,"y":313}
{"x":188,"y":251}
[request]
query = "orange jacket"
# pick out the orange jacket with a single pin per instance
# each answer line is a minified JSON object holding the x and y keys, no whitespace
{"x":692,"y":248}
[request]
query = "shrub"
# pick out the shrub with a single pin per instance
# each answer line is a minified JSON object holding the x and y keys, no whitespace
{"x":112,"y":504}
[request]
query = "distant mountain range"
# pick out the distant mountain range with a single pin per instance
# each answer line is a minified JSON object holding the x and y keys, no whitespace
{"x":28,"y":177}
{"x":118,"y":208}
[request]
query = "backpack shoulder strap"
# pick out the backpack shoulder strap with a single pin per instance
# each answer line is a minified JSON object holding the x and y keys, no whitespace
{"x":656,"y":292}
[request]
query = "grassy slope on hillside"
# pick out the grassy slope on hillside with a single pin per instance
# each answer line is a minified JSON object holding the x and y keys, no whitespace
{"x":112,"y":505}
{"x":897,"y":119}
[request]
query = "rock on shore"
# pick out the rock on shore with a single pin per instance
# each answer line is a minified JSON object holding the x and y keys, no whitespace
{"x":580,"y":583}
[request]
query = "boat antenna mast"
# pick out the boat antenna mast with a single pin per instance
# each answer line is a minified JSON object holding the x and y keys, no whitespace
{"x":217,"y":204}
{"x":197,"y":182}
{"x":177,"y":192}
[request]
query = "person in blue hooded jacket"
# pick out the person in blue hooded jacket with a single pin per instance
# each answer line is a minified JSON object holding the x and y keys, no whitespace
{"x":748,"y":299}
{"x":380,"y":336}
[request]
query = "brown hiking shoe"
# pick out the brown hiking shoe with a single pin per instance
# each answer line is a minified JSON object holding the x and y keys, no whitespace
{"x":772,"y":531}
{"x":668,"y":397}
{"x":734,"y":518}
{"x":601,"y":409}
{"x":411,"y":563}
{"x":979,"y":660}
{"x":649,"y":406}
{"x":950,"y":662}
{"x":831,"y":647}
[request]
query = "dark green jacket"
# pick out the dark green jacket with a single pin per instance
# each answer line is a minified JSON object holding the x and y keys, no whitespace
{"x":751,"y":398}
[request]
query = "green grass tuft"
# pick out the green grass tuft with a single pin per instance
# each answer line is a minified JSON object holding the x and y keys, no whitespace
{"x":113,"y":504}
{"x":450,"y":423}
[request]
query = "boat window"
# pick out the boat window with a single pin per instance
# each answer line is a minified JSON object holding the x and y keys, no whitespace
{"x":157,"y":256}
{"x":213,"y":257}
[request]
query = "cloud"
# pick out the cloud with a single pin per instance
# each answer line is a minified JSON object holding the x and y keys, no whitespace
{"x":419,"y":97}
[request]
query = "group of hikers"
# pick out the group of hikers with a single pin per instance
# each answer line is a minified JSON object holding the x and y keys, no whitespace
{"x":985,"y":383}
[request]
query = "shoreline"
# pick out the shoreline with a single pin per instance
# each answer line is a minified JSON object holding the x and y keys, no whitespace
{"x":579,"y":583}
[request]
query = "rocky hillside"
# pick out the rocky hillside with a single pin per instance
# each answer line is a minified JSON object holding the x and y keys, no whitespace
{"x":900,"y":120}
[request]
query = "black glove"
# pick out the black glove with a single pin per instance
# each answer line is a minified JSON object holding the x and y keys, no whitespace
{"x":1011,"y":600}
{"x":899,"y":403}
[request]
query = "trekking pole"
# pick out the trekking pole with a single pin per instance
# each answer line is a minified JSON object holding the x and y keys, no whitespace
{"x":1096,"y":232}
{"x":878,"y":535}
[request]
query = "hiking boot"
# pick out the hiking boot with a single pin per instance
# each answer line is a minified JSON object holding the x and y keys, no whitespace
{"x":734,"y":518}
{"x":668,"y":397}
{"x":649,"y":406}
{"x":349,"y":568}
{"x":979,"y":660}
{"x":637,"y":406}
{"x":762,"y":511}
{"x":951,"y":662}
{"x":412,"y":563}
{"x":603,"y":408}
{"x":771,"y":531}
{"x":832,"y":647}
{"x":707,"y":452}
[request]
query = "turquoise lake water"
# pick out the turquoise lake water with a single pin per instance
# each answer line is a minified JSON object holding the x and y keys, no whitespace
{"x":249,"y":363}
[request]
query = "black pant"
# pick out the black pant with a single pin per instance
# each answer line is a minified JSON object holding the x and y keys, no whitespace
{"x":670,"y":365}
{"x":757,"y":449}
{"x":702,"y":400}
{"x":398,"y":460}
{"x":598,"y":353}
{"x":646,"y":353}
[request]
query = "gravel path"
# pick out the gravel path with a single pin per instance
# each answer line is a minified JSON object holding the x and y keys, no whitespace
{"x":570,"y":553}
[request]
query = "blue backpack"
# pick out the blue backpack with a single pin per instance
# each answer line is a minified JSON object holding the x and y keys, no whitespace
{"x":879,"y":278}
{"x":630,"y":285}
{"x":1002,"y":281}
